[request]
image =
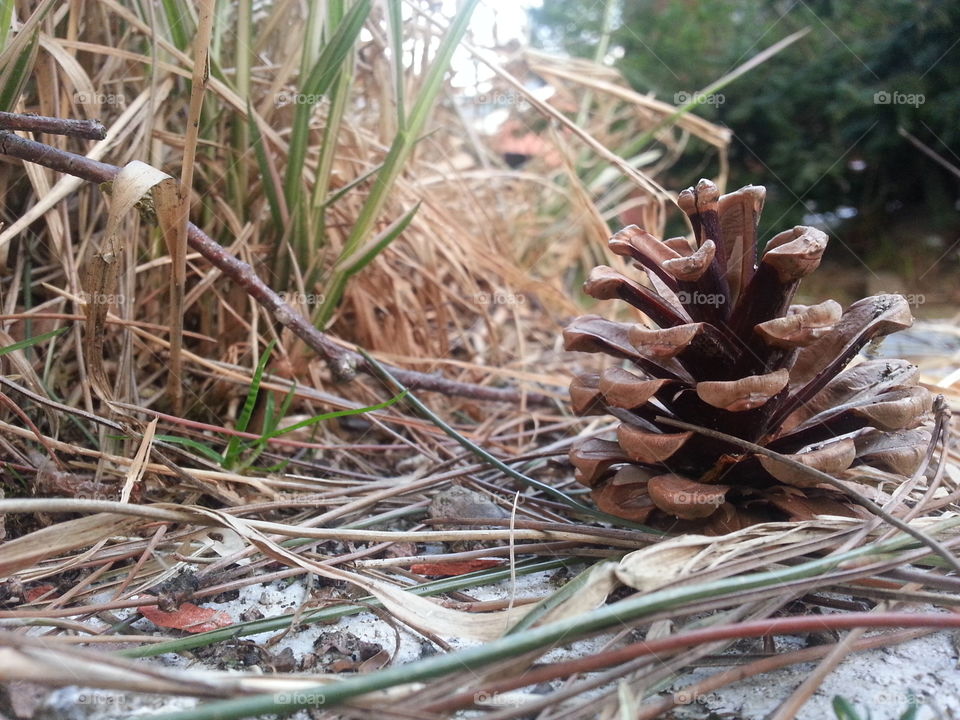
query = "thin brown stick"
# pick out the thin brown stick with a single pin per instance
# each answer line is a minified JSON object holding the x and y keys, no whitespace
{"x":177,"y":240}
{"x":86,"y":129}
{"x":753,"y":628}
{"x":691,"y":692}
{"x":343,"y":363}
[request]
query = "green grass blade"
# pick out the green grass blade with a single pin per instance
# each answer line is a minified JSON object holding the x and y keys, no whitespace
{"x":338,"y":106}
{"x":260,"y":444}
{"x":341,"y":276}
{"x":339,"y":96}
{"x":177,"y":22}
{"x":396,"y":45}
{"x":240,"y":131}
{"x":6,"y":17}
{"x":31,"y":341}
{"x":266,"y":174}
{"x":405,"y":139}
{"x":205,"y":450}
{"x":360,"y":179}
{"x":331,"y":415}
{"x":434,"y":81}
{"x":15,"y":75}
{"x":235,"y":444}
{"x":843,"y":709}
{"x":913,"y":707}
{"x":391,"y":233}
{"x":256,"y":447}
{"x":26,"y":34}
{"x":321,"y":77}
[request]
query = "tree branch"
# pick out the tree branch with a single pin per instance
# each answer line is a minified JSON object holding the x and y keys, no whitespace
{"x":343,"y":363}
{"x":86,"y":129}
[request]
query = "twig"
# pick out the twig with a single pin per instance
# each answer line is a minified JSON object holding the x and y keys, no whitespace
{"x":343,"y":363}
{"x":754,"y":628}
{"x":928,"y":151}
{"x":394,"y":384}
{"x":764,"y":665}
{"x":824,"y":478}
{"x":47,"y":402}
{"x":86,"y":129}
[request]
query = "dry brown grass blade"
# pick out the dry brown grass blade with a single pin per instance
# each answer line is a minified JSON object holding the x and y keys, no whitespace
{"x":28,"y":550}
{"x":585,"y":74}
{"x":175,"y":233}
{"x":615,"y":160}
{"x":100,"y":281}
{"x":691,"y":555}
{"x":27,"y":659}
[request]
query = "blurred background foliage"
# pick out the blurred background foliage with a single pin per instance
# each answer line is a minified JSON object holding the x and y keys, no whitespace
{"x":811,"y":123}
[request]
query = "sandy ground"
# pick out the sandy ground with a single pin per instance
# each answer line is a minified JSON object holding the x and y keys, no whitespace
{"x":878,"y":680}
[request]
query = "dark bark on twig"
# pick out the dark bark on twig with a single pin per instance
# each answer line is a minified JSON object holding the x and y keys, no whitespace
{"x":86,"y":129}
{"x":343,"y":363}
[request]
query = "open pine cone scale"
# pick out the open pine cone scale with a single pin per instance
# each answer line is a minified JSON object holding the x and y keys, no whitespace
{"x":731,"y":353}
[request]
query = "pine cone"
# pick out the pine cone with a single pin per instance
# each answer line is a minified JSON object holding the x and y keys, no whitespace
{"x":732,"y":354}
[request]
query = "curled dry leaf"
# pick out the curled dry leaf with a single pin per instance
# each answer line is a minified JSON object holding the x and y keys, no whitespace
{"x":666,"y":562}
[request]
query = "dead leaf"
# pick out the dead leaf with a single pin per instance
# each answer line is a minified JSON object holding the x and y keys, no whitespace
{"x":39,"y":591}
{"x":188,"y":617}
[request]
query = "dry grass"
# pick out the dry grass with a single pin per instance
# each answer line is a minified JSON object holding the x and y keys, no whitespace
{"x":115,"y":491}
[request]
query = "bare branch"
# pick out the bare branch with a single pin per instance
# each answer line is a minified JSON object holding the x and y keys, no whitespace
{"x":343,"y":363}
